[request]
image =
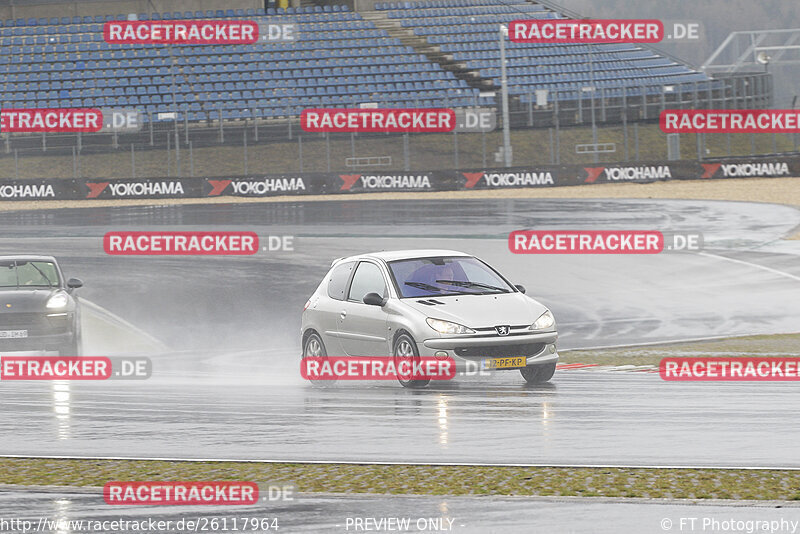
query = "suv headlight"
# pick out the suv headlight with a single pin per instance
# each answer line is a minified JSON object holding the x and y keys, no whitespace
{"x":446,"y":327}
{"x":59,"y":300}
{"x":545,"y":321}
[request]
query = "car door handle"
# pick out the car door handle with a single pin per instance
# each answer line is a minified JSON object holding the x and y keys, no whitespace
{"x":343,"y":314}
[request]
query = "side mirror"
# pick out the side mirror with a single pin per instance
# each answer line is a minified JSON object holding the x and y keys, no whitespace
{"x":520,"y":288}
{"x":373,"y":299}
{"x":74,"y":283}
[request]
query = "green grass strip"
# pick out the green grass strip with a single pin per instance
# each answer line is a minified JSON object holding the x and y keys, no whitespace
{"x":423,"y":480}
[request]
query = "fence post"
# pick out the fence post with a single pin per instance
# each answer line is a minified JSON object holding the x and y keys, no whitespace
{"x":636,"y":138}
{"x":16,"y":164}
{"x":44,"y":142}
{"x":133,"y":162}
{"x":150,"y":122}
{"x":602,"y":104}
{"x":221,"y":130}
{"x":552,"y":156}
{"x":245,"y":151}
{"x":191,"y":160}
{"x":74,"y":163}
{"x":625,"y":123}
{"x":698,"y":137}
{"x":289,"y":120}
{"x":406,"y":159}
{"x":255,"y":125}
{"x":300,"y":150}
{"x":558,"y":130}
{"x":455,"y":148}
{"x":8,"y":143}
{"x":483,"y":146}
{"x":169,"y":155}
{"x":644,"y":111}
{"x":328,"y":149}
{"x":530,"y":109}
{"x":177,"y":151}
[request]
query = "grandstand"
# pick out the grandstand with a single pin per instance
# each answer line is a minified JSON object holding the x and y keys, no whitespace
{"x":434,"y":53}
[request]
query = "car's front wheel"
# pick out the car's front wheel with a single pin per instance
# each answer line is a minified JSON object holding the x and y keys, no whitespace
{"x":538,"y":374}
{"x":406,"y":356}
{"x":315,"y":348}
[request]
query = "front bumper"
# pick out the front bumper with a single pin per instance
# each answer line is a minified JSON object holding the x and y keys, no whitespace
{"x":45,"y":331}
{"x":469,"y":351}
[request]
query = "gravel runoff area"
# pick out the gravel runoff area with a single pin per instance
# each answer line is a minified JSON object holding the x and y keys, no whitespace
{"x":661,"y":483}
{"x":769,"y":190}
{"x":766,"y":346}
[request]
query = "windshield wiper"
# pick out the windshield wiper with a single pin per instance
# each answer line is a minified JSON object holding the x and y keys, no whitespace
{"x":49,"y":282}
{"x":428,"y":287}
{"x":460,"y":283}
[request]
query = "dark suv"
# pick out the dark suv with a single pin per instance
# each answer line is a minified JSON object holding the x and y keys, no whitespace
{"x":37,"y":309}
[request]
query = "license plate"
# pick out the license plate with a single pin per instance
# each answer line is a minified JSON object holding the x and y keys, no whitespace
{"x":13,"y":334}
{"x":511,"y":362}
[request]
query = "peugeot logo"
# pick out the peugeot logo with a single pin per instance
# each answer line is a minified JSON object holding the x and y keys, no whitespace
{"x":503,"y":330}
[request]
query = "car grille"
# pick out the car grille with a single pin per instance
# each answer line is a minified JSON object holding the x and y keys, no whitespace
{"x":500,"y":351}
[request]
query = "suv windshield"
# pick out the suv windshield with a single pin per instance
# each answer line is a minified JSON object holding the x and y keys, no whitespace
{"x":17,"y":273}
{"x":463,"y":275}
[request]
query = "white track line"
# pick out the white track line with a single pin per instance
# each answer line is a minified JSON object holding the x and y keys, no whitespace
{"x":377,"y":462}
{"x":750,"y":264}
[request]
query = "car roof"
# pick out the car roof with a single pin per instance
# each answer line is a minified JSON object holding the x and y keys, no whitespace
{"x":28,"y":257}
{"x":393,"y":255}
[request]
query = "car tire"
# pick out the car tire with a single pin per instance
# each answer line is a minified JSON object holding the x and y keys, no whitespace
{"x":405,"y":348}
{"x":314,"y":347}
{"x":538,"y":374}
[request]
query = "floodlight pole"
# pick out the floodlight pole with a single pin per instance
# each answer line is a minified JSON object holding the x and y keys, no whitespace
{"x":504,"y":92}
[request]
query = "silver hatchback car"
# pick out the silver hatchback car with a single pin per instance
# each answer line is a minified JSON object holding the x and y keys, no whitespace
{"x":429,"y":303}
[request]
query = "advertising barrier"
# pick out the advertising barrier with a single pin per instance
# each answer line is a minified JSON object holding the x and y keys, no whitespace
{"x":368,"y":182}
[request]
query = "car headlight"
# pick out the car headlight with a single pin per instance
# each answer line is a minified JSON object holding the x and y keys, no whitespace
{"x":446,"y":327}
{"x":545,"y":321}
{"x":59,"y":300}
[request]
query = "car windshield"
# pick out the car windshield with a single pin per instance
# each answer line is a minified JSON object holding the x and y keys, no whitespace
{"x":17,"y":273}
{"x":442,"y":276}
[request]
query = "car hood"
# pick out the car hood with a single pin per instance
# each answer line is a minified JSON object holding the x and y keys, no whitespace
{"x":481,"y":311}
{"x":24,"y":300}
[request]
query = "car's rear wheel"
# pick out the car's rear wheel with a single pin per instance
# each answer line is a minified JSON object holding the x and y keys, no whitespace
{"x":315,"y":348}
{"x":538,"y":374}
{"x":405,"y":352}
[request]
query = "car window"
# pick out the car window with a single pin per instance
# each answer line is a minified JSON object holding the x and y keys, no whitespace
{"x":337,"y":281}
{"x":428,"y":277}
{"x":28,"y":273}
{"x":368,"y":279}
